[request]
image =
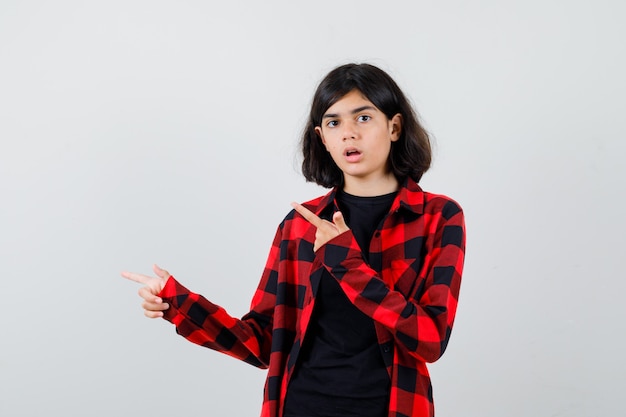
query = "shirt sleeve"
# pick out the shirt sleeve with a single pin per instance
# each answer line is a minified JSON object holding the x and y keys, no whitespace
{"x":209,"y":325}
{"x":421,"y":322}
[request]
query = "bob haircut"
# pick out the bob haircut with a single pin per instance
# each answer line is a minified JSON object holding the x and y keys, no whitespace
{"x":410,"y":155}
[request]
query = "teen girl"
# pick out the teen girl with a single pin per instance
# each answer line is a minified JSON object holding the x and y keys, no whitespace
{"x":361,"y":285}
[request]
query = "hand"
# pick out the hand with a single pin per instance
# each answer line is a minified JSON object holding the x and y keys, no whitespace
{"x":153,"y":305}
{"x":325,"y":229}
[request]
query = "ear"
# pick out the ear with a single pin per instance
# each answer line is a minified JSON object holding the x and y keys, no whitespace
{"x":318,"y":131}
{"x":395,"y":127}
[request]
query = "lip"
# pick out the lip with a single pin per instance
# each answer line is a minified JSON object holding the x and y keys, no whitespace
{"x":352,"y":154}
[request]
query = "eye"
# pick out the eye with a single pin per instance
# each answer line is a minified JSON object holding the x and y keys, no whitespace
{"x":364,"y":118}
{"x":332,"y":123}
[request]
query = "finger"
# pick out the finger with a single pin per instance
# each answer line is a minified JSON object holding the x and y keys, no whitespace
{"x":153,"y":314}
{"x":161,"y":273}
{"x":142,"y":279}
{"x":149,"y":295}
{"x":155,"y":306}
{"x":307,"y":214}
{"x":340,"y":222}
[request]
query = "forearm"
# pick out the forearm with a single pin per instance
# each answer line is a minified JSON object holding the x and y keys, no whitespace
{"x":420,"y":320}
{"x":207,"y":324}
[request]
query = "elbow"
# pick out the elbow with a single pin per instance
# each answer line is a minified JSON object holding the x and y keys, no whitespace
{"x":254,"y":361}
{"x":428,"y":351}
{"x":437,"y":350}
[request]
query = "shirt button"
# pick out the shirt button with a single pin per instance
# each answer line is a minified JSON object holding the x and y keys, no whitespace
{"x":377,"y":234}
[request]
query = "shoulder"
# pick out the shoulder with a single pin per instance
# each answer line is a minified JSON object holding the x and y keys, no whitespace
{"x":441,"y":204}
{"x":446,"y":218}
{"x":420,"y":201}
{"x":317,"y":203}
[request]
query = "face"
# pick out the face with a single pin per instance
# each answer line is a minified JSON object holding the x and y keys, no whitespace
{"x":358,"y":137}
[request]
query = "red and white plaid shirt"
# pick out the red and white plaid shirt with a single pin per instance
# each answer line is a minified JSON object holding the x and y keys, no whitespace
{"x":409,"y":288}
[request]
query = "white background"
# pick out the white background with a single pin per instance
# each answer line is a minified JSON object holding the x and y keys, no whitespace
{"x":135,"y":132}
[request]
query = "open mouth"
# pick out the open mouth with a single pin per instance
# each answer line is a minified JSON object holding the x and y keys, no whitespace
{"x":352,"y":155}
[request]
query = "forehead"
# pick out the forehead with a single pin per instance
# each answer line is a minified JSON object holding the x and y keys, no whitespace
{"x":349,"y":102}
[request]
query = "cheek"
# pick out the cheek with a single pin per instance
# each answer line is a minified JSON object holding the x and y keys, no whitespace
{"x":334,"y":151}
{"x":330,"y":144}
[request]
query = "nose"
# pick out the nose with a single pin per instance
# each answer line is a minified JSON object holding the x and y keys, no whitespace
{"x":349,"y":131}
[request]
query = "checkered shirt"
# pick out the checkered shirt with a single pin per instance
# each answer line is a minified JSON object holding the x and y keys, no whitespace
{"x":409,"y":288}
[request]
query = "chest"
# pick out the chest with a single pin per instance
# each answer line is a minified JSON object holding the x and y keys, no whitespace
{"x":396,"y":253}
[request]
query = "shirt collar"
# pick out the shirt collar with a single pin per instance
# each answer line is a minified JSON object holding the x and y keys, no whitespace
{"x":410,"y":197}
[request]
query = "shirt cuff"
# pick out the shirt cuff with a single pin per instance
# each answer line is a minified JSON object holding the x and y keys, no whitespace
{"x":174,"y":294}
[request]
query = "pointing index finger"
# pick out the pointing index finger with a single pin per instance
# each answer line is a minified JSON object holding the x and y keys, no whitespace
{"x":142,"y":279}
{"x":307,"y":214}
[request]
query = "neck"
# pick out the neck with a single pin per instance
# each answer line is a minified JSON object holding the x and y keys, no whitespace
{"x":371,"y":188}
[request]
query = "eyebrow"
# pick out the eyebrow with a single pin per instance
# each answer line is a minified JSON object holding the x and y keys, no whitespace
{"x":357,"y":110}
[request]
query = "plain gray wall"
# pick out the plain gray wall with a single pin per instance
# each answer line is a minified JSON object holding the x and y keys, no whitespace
{"x":140,"y":132}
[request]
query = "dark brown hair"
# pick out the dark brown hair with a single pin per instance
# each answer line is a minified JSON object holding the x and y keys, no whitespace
{"x":410,"y":155}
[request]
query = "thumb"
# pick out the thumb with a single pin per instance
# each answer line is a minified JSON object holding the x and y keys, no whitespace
{"x":161,"y":273}
{"x":340,"y":222}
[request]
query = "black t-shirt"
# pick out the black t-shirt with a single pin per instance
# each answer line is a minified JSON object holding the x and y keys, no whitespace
{"x":340,"y":370}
